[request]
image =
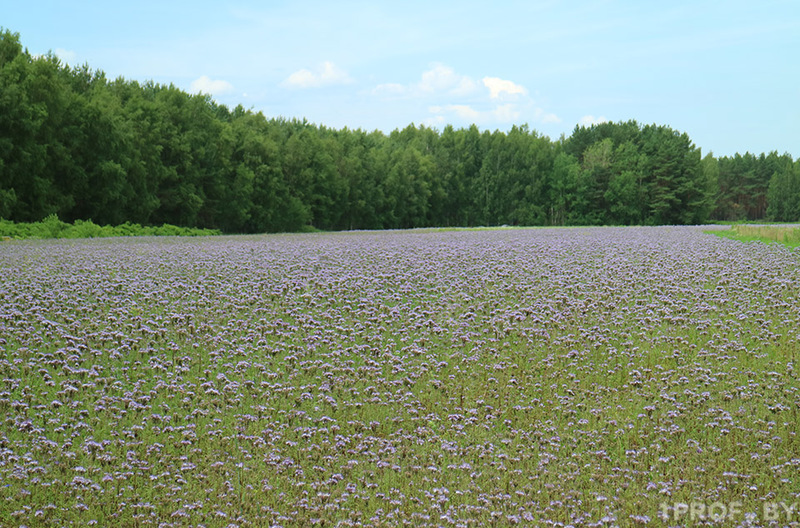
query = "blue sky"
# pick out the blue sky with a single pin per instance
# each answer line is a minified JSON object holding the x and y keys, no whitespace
{"x":725,"y":72}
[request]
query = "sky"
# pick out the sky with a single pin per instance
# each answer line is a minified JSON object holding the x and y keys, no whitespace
{"x":725,"y":72}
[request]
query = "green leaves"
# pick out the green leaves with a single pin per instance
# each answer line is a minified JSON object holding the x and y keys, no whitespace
{"x":784,"y":193}
{"x":637,"y":175}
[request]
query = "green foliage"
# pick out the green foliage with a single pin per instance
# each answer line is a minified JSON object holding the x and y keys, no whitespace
{"x":78,"y":145}
{"x":52,"y":227}
{"x":744,"y":183}
{"x":783,"y":195}
{"x":638,"y":175}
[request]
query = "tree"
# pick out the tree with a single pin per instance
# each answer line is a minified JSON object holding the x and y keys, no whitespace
{"x":626,"y":193}
{"x":408,"y":188}
{"x":565,"y":204}
{"x":784,"y":191}
{"x":597,"y":159}
{"x":673,"y":164}
{"x":310,"y":173}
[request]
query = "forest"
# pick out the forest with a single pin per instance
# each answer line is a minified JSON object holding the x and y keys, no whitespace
{"x":78,"y":145}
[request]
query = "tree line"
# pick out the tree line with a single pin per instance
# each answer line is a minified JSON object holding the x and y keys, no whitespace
{"x":78,"y":145}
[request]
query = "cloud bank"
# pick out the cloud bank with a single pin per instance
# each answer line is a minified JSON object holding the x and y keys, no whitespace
{"x":589,"y":120}
{"x":67,"y":56}
{"x":450,"y":96}
{"x":443,"y":79}
{"x":210,"y":86}
{"x":498,"y":87}
{"x":326,"y":74}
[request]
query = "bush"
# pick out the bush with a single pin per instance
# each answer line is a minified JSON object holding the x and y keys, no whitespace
{"x":52,"y":227}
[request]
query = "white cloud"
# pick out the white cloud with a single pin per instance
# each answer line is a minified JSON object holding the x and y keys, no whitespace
{"x":210,"y":86}
{"x":390,"y":89}
{"x":498,"y":86}
{"x":67,"y":56}
{"x":464,"y":111}
{"x":434,"y":121}
{"x":506,"y":113}
{"x":589,"y":120}
{"x":443,"y":79}
{"x":544,"y":117}
{"x":456,"y":98}
{"x":438,"y":81}
{"x":325,"y":75}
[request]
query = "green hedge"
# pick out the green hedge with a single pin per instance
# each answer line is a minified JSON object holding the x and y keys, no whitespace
{"x":52,"y":227}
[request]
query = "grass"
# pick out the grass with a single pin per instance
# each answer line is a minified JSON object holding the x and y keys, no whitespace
{"x":786,"y":235}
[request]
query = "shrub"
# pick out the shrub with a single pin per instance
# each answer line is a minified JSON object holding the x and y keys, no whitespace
{"x":52,"y":227}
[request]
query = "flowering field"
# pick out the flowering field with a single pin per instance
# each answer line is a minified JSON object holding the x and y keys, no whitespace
{"x":540,"y":377}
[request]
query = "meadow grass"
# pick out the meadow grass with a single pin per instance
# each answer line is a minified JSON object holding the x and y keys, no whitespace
{"x":786,"y":235}
{"x":578,"y":377}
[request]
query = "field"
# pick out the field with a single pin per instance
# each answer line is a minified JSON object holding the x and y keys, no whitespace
{"x":538,"y":377}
